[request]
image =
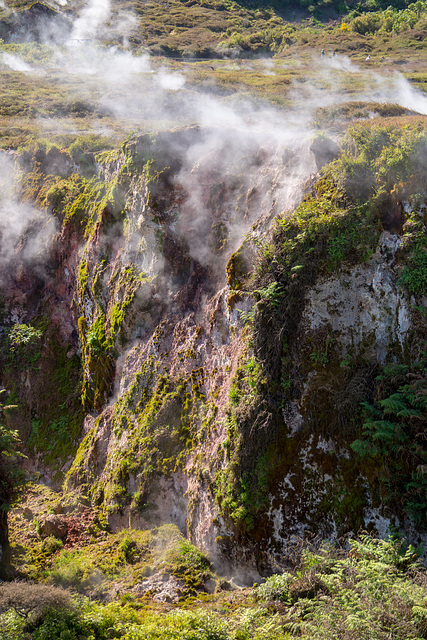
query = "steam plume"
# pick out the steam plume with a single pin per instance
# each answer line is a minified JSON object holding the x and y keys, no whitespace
{"x":93,"y":17}
{"x":25,"y":233}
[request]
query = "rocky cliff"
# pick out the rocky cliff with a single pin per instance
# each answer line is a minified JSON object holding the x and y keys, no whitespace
{"x":191,"y":326}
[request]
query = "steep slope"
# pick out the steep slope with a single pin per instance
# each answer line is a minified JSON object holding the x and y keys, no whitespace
{"x":219,"y":397}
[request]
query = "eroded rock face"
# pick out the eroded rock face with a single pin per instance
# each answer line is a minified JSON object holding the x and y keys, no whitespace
{"x":352,"y":323}
{"x":153,"y":267}
{"x":161,"y":587}
{"x":182,"y":328}
{"x":363,"y":305}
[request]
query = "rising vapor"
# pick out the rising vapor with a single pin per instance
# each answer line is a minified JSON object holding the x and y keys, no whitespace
{"x":130,"y":88}
{"x":92,"y":18}
{"x":25,"y":232}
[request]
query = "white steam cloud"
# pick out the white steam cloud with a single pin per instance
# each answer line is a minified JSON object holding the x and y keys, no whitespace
{"x":247,"y":148}
{"x":336,"y":79}
{"x":398,"y":90}
{"x":171,"y":81}
{"x":25,"y":233}
{"x":15,"y":63}
{"x":93,"y":17}
{"x":341,"y":63}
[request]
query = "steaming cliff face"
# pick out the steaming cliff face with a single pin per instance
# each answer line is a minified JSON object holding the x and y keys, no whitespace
{"x":206,"y":399}
{"x":188,"y":203}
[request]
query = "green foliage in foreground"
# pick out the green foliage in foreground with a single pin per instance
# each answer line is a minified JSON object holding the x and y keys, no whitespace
{"x":373,"y":591}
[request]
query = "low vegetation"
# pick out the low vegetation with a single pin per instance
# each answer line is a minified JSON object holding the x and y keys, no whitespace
{"x":211,"y":44}
{"x":392,"y":437}
{"x":364,"y":591}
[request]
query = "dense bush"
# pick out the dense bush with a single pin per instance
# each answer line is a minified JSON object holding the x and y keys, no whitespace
{"x":382,"y":160}
{"x":389,"y":20}
{"x":321,"y":6}
{"x":31,"y":599}
{"x":374,"y":591}
{"x":275,"y":588}
{"x":370,"y":589}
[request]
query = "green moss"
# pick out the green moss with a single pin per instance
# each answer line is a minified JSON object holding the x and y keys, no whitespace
{"x":57,"y":420}
{"x":241,"y":496}
{"x":156,"y":423}
{"x":98,"y":366}
{"x":237,"y":270}
{"x":55,"y":196}
{"x":414,"y":269}
{"x":124,"y":285}
{"x":113,"y":292}
{"x":83,"y":276}
{"x":190,"y":565}
{"x":79,"y":470}
{"x":107,"y":157}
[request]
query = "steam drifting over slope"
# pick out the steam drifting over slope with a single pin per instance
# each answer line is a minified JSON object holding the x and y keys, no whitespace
{"x":25,"y":232}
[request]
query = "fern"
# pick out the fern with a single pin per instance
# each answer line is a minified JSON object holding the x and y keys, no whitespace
{"x":410,"y":413}
{"x":389,"y":433}
{"x":393,"y":404}
{"x":364,"y":448}
{"x":394,"y":433}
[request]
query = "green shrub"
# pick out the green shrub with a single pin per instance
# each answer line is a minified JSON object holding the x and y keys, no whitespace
{"x":190,"y":564}
{"x":179,"y":625}
{"x":414,"y":271}
{"x":75,"y":569}
{"x":24,"y":344}
{"x":389,"y":20}
{"x":275,"y":588}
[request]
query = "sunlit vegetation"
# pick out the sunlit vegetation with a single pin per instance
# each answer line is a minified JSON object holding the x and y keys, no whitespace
{"x":365,"y":591}
{"x":188,"y":31}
